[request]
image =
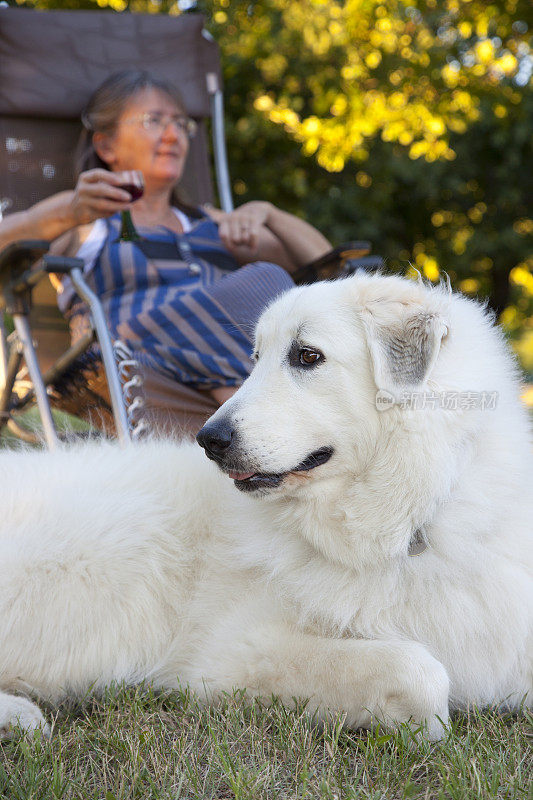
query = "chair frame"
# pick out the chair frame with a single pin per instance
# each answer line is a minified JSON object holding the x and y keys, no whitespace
{"x":17,"y":293}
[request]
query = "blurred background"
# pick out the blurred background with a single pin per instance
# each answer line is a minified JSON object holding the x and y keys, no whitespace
{"x":405,"y":122}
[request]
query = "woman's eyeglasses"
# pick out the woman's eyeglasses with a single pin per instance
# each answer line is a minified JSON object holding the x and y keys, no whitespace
{"x":155,"y":122}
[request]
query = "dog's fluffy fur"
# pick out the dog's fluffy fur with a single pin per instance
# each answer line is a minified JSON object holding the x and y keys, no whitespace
{"x":148,"y":563}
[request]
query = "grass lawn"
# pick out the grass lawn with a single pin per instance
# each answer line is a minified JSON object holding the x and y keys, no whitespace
{"x":30,"y":419}
{"x":133,"y":744}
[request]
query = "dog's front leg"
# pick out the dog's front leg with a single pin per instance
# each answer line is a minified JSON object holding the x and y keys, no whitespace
{"x":18,"y":711}
{"x":368,"y":680}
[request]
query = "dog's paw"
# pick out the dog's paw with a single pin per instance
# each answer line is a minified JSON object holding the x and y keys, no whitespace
{"x":421,"y":700}
{"x":22,"y":713}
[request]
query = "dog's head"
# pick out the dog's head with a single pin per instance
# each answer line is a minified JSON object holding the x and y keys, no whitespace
{"x":323,"y":352}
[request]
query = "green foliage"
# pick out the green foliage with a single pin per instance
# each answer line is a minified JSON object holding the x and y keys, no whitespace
{"x":428,"y":141}
{"x":423,"y":112}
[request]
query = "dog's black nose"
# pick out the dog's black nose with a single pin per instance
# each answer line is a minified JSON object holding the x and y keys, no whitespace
{"x":215,"y":438}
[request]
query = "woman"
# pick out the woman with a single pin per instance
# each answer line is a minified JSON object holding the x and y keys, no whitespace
{"x":181,"y":299}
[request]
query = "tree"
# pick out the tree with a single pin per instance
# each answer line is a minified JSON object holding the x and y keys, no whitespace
{"x":421,"y":110}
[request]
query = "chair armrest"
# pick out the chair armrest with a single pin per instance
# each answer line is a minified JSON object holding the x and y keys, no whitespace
{"x":22,"y":265}
{"x":17,"y":257}
{"x":331,"y":264}
{"x":351,"y":265}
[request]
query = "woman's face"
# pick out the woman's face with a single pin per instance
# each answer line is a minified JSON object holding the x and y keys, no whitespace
{"x":148,"y":138}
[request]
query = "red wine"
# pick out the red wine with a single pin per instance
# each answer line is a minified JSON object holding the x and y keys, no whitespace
{"x":134,"y":185}
{"x":133,"y":189}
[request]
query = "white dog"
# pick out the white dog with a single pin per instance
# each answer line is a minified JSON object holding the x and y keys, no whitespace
{"x":381,"y":420}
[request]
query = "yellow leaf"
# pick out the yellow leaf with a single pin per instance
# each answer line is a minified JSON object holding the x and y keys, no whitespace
{"x":484,"y":51}
{"x":311,"y":126}
{"x":418,"y":149}
{"x":523,"y":227}
{"x":431,"y":269}
{"x":469,"y":285}
{"x":465,"y":29}
{"x":520,"y":276}
{"x":436,"y":125}
{"x":373,"y":59}
{"x":363,"y":179}
{"x":450,"y":75}
{"x":507,"y":64}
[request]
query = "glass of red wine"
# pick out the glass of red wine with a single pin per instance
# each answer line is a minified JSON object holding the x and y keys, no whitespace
{"x":134,"y":185}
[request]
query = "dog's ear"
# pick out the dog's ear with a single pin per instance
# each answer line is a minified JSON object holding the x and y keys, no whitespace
{"x":404,"y":343}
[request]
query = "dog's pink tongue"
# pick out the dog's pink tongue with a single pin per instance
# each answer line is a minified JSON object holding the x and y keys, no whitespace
{"x":240,"y":476}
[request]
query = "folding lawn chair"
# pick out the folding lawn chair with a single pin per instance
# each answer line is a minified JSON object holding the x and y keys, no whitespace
{"x":50,"y":63}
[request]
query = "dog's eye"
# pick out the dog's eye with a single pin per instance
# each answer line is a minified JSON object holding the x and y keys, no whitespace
{"x":304,"y":357}
{"x":308,"y":357}
{"x":255,"y":356}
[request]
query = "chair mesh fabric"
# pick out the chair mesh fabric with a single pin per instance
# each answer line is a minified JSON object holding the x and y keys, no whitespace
{"x":53,"y":60}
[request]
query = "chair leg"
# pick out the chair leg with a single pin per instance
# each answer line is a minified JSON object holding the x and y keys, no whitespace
{"x":8,"y":381}
{"x":3,"y":351}
{"x":22,"y":328}
{"x":108,"y":356}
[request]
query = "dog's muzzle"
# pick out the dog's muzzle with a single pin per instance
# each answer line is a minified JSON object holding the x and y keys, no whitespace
{"x":220,"y":442}
{"x":216,"y":439}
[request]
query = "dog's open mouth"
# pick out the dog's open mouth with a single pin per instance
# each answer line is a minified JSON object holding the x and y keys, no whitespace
{"x":250,"y":481}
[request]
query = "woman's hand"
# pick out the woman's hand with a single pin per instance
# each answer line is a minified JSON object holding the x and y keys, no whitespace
{"x":243,"y":226}
{"x":97,"y":194}
{"x":259,"y":231}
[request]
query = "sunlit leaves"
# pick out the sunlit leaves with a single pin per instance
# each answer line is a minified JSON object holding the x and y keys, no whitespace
{"x":407,"y":71}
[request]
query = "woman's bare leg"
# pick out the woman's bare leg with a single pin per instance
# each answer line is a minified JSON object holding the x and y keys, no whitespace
{"x":223,"y":393}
